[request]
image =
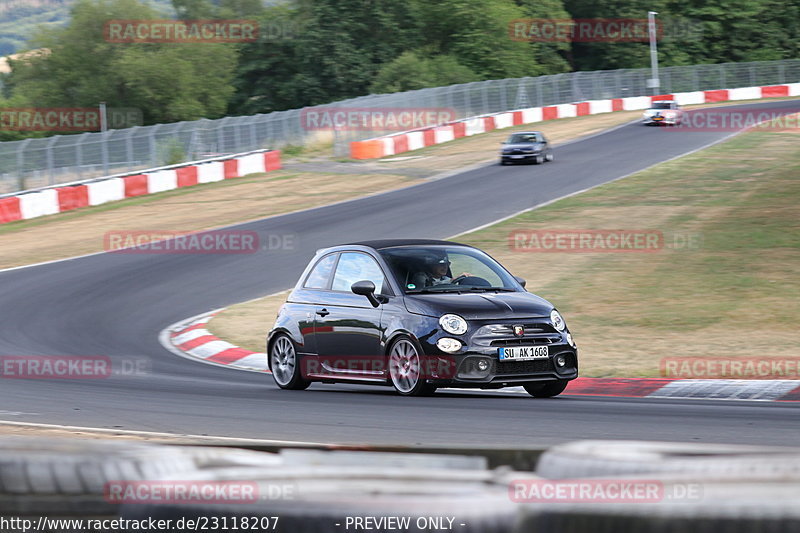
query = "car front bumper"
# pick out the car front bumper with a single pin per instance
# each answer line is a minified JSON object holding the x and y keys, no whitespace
{"x":520,"y":158}
{"x":462,"y":368}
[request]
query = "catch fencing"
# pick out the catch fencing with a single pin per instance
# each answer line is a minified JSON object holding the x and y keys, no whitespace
{"x":65,"y":158}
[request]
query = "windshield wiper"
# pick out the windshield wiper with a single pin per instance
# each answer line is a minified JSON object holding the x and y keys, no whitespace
{"x":502,"y":289}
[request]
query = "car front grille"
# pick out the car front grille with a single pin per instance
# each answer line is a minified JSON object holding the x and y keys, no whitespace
{"x":527,"y":341}
{"x":536,"y":366}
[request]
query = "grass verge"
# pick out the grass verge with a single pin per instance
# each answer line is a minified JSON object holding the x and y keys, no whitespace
{"x":730,"y":220}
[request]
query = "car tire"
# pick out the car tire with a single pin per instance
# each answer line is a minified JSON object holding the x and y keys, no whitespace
{"x":285,"y":364}
{"x":311,"y":495}
{"x":405,"y":360}
{"x":503,"y":163}
{"x":538,"y":160}
{"x":62,"y":477}
{"x":549,"y":157}
{"x":605,"y":459}
{"x":547,"y":389}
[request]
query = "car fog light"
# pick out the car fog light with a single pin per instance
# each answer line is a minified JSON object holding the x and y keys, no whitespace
{"x":448,"y":345}
{"x":483,"y":365}
{"x":561,"y":361}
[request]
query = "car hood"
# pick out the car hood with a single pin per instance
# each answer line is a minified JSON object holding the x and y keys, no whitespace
{"x":522,"y":146}
{"x":482,"y":305}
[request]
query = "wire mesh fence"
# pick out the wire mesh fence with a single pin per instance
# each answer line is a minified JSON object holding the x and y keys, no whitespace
{"x":34,"y":163}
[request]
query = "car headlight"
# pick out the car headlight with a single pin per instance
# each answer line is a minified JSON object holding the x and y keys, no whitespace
{"x":453,"y":324}
{"x":557,"y":320}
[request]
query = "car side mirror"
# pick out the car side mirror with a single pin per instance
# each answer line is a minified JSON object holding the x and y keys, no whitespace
{"x":365,"y":288}
{"x":521,"y":281}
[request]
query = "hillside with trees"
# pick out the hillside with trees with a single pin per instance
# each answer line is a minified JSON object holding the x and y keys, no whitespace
{"x":313,"y":52}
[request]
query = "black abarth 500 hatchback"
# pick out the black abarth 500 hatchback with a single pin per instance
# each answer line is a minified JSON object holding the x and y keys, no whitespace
{"x":418,"y":315}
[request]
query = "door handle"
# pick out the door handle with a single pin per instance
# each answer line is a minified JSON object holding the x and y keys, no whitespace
{"x":323,"y":312}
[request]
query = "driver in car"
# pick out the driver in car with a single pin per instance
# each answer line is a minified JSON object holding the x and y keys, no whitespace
{"x":436,"y":274}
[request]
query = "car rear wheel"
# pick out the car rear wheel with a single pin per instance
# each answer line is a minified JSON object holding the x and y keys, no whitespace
{"x":285,"y":365}
{"x":406,"y":370}
{"x":549,"y":157}
{"x":547,"y":389}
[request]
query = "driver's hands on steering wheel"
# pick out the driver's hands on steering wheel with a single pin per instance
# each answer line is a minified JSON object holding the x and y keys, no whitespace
{"x":461,"y":277}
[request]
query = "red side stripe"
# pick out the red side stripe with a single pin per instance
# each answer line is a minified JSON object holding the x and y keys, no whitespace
{"x":72,"y":197}
{"x":194,"y":343}
{"x":720,"y":95}
{"x":636,"y":387}
{"x":230,"y":355}
{"x":231,"y":168}
{"x":549,"y":112}
{"x":135,"y":185}
{"x":187,"y":176}
{"x":9,"y":210}
{"x":272,"y":160}
{"x":774,"y":91}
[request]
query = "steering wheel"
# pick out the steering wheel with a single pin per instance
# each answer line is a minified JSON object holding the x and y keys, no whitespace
{"x":458,"y":279}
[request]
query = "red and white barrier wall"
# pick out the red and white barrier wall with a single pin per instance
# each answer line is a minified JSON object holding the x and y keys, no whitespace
{"x":25,"y":205}
{"x":413,"y":140}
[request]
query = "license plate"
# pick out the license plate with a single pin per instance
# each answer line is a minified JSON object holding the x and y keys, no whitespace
{"x":658,"y":118}
{"x":524,"y":353}
{"x":517,"y":156}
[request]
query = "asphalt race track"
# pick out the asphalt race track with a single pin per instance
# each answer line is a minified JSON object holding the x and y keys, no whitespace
{"x":116,"y":305}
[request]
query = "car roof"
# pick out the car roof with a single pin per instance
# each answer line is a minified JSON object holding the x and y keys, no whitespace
{"x":663,"y":101}
{"x":524,"y":132}
{"x":391,"y":243}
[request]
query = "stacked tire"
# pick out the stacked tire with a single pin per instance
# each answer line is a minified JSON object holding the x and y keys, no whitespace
{"x":731,"y":489}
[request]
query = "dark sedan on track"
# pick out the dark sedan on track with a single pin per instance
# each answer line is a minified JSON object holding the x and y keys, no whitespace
{"x":418,"y":315}
{"x":526,"y":147}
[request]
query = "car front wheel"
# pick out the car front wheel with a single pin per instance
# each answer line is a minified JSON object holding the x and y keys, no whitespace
{"x":285,"y":365}
{"x":406,"y":371}
{"x":547,"y":389}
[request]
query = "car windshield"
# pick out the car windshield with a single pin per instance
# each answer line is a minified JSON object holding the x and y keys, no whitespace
{"x":446,"y":269}
{"x":523,"y":138}
{"x":662,"y":105}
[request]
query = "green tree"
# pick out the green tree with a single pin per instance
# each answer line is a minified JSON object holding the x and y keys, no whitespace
{"x":168,"y":82}
{"x":476,"y":32}
{"x":331,"y":51}
{"x":409,"y":71}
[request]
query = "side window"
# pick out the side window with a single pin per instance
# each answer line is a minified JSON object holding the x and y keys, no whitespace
{"x":321,"y":273}
{"x":355,"y":266}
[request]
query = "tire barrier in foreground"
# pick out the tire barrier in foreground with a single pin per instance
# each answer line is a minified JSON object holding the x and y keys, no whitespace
{"x":713,"y":507}
{"x":592,"y":459}
{"x":67,"y":477}
{"x":316,"y":491}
